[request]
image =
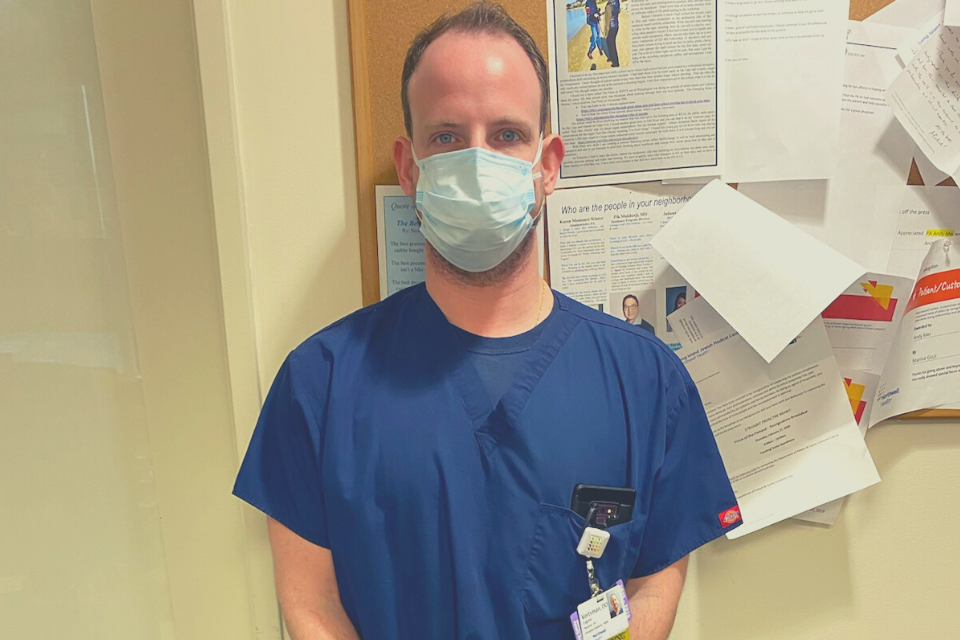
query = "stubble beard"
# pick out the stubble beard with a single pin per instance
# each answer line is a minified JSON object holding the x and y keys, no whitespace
{"x":491,"y":277}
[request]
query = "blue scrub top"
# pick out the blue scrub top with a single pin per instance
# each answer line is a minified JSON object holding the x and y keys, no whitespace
{"x":447,"y":516}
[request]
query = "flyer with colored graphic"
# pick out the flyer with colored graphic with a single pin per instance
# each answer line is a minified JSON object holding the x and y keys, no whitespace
{"x":863,"y":320}
{"x":923,"y":369}
{"x":861,"y":388}
{"x":785,"y":429}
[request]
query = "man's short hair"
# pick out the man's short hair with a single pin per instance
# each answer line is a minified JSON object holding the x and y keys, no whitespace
{"x":480,"y":17}
{"x":627,"y":297}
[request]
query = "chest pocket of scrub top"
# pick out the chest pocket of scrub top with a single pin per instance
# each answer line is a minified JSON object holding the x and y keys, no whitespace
{"x":555,"y":581}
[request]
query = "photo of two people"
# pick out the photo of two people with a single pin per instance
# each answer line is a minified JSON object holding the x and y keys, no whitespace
{"x":597,"y":35}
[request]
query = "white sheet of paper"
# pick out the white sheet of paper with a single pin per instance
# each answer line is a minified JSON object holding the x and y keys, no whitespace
{"x":926,"y":214}
{"x":766,"y":277}
{"x":930,"y":174}
{"x":785,"y":430}
{"x":912,"y":44}
{"x":699,"y":319}
{"x":925,"y":98}
{"x":862,"y":321}
{"x":923,"y":369}
{"x":951,"y":13}
{"x":907,"y":13}
{"x":784,"y":66}
{"x":884,"y":39}
{"x":824,"y":514}
{"x":600,"y":251}
{"x":855,"y":212}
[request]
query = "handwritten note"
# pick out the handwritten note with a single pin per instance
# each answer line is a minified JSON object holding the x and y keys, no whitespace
{"x":925,"y":97}
{"x":912,"y":45}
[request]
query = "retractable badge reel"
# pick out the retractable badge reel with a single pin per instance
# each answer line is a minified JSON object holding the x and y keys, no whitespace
{"x":606,"y":615}
{"x":593,"y":541}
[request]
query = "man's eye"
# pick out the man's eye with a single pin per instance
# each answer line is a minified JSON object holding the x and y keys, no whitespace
{"x":445,"y":138}
{"x":510,"y":136}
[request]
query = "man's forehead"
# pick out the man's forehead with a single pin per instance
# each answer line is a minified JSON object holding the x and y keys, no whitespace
{"x":460,"y":61}
{"x":495,"y":51}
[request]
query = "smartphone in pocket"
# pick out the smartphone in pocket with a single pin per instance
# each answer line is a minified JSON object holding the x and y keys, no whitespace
{"x":603,"y":506}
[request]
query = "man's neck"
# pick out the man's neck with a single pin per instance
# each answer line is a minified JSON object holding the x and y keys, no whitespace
{"x":508,"y":308}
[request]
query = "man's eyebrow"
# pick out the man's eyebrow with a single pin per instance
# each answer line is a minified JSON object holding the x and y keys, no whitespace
{"x":513,"y":122}
{"x":516,"y":123}
{"x":444,"y":124}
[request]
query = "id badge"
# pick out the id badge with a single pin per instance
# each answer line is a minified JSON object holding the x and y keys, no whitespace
{"x":605,"y":616}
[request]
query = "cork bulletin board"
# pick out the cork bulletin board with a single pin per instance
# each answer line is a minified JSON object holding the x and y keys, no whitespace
{"x":379,"y":34}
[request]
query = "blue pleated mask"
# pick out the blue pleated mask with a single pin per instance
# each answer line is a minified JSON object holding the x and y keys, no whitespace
{"x":474,"y":205}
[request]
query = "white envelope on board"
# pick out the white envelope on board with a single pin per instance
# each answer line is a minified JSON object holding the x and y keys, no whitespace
{"x":763,"y":275}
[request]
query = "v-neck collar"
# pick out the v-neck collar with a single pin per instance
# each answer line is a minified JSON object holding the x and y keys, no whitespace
{"x":493,"y":423}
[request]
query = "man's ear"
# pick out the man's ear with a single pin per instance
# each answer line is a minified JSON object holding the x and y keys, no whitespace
{"x":550,"y":159}
{"x":406,"y":168}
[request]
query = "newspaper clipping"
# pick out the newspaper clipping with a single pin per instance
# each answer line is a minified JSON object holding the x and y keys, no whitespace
{"x":601,"y":254}
{"x":635,"y":88}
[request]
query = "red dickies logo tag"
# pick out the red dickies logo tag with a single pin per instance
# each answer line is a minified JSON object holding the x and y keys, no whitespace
{"x":729,"y":517}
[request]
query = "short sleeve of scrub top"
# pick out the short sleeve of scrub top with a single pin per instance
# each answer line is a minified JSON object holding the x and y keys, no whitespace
{"x":678,"y":523}
{"x":280,"y":474}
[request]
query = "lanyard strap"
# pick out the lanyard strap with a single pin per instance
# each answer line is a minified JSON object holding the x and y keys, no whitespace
{"x":592,"y":579}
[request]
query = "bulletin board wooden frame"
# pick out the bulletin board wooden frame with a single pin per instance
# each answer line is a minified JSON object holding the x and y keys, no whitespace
{"x":379,"y":34}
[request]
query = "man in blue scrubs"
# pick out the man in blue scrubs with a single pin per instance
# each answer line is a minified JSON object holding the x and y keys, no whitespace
{"x":417,"y":458}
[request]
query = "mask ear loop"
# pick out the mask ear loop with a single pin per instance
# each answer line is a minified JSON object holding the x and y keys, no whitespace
{"x":538,"y":174}
{"x":536,"y":218}
{"x":416,"y":161}
{"x":413,"y":152}
{"x":536,"y":158}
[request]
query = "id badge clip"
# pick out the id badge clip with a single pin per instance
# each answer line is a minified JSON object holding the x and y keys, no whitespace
{"x":592,"y":544}
{"x":593,"y":541}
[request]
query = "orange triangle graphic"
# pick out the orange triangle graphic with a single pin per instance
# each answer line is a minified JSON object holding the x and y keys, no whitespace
{"x":854,"y":393}
{"x":882,"y":293}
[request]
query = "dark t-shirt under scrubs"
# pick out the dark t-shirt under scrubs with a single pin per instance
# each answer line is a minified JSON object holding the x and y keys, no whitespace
{"x":444,"y":498}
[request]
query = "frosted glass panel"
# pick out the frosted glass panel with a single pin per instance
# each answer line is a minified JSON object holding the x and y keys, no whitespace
{"x":81,"y":555}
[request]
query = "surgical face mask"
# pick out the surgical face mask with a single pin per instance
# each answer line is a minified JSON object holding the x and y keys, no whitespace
{"x":474,"y":205}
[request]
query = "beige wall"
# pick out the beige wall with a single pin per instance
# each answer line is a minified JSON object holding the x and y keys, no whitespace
{"x":888,"y":569}
{"x":294,"y":118}
{"x":277,"y":105}
{"x":151,"y":90}
{"x":81,"y":547}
